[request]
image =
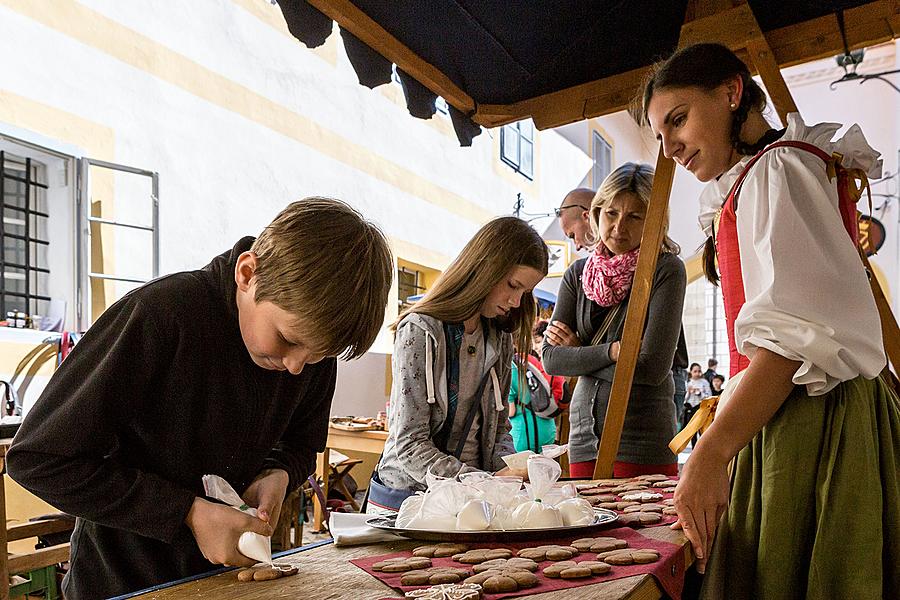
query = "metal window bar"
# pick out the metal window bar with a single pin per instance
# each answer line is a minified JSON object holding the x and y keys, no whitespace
{"x":83,"y":233}
{"x":29,"y":212}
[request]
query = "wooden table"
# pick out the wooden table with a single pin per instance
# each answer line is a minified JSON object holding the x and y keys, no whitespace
{"x":326,"y":574}
{"x":371,"y":442}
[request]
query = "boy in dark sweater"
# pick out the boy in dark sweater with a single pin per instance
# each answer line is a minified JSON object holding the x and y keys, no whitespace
{"x":227,"y":370}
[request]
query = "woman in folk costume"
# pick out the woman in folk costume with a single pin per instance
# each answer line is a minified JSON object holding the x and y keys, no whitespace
{"x":814,"y":506}
{"x":584,"y":336}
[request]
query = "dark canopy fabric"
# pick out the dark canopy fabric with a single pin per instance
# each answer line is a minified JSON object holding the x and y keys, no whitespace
{"x":500,"y":51}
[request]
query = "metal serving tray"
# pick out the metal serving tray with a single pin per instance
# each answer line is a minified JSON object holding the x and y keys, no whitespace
{"x":603,"y":519}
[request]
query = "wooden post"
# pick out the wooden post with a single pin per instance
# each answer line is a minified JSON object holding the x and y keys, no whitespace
{"x":635,"y":317}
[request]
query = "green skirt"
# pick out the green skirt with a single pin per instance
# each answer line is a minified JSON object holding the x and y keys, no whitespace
{"x":815,"y":502}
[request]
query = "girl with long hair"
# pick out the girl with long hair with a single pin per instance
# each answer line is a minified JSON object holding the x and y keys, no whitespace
{"x":584,"y":335}
{"x":453,"y":352}
{"x":814,"y":506}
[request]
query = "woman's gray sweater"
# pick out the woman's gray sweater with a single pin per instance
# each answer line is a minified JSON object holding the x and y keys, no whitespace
{"x":650,"y":418}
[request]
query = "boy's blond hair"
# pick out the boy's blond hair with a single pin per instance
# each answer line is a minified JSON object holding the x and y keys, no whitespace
{"x":321,"y":261}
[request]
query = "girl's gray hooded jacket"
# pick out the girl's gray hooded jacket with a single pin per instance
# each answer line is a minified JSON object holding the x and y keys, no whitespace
{"x":419,"y":405}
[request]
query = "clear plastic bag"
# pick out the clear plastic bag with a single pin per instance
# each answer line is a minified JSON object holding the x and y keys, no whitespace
{"x":250,"y":544}
{"x":543,"y":472}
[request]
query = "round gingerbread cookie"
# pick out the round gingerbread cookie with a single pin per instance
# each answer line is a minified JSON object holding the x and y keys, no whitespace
{"x":649,"y":507}
{"x":441,"y":550}
{"x":506,"y":563}
{"x":434,"y":575}
{"x":656,"y":477}
{"x":599,"y":544}
{"x":480,"y":555}
{"x":550,"y":552}
{"x":495,"y":581}
{"x":640,"y":518}
{"x":629,"y":556}
{"x":569,"y":569}
{"x":401,"y":564}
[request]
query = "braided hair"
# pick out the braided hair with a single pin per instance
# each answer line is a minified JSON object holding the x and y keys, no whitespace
{"x":707,"y":66}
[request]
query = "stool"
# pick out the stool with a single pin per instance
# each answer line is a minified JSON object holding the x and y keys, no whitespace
{"x":341,"y":470}
{"x":292,"y":517}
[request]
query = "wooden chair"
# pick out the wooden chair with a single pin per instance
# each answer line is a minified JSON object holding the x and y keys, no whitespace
{"x":38,"y":566}
{"x":339,"y":472}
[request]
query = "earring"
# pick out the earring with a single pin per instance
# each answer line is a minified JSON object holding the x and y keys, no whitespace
{"x":732,"y":106}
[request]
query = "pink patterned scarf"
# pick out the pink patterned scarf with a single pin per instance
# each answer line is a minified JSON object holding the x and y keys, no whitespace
{"x":607,"y":277}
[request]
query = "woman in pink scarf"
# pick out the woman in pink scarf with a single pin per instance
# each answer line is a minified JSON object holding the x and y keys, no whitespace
{"x":583,"y":338}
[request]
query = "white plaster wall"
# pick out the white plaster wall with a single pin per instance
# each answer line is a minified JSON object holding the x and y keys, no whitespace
{"x":224,"y":174}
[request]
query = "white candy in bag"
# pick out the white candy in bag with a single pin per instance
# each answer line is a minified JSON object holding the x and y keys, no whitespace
{"x":543,"y":472}
{"x":576,"y":511}
{"x":250,"y":544}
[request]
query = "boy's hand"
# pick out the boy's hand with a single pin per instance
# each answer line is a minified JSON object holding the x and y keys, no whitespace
{"x":267,"y":493}
{"x":217,"y":528}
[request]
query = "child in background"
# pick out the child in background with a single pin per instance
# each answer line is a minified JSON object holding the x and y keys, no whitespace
{"x":451,"y":364}
{"x":227,"y":370}
{"x":531,"y":431}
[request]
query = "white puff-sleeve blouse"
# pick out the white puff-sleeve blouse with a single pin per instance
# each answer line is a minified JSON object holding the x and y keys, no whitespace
{"x":807,"y":295}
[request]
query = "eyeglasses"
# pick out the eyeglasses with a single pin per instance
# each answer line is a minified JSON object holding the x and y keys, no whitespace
{"x":558,"y":211}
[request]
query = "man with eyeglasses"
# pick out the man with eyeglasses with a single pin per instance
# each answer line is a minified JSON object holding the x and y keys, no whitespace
{"x":573,"y":216}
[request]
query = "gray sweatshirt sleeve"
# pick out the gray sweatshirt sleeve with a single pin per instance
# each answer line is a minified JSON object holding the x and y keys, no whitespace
{"x":503,"y":444}
{"x":411,"y":413}
{"x":663,"y":325}
{"x":572,"y":361}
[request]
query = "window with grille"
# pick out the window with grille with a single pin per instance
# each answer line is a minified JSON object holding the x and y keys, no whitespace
{"x":517,"y":147}
{"x":602,"y":153}
{"x":23,"y":228}
{"x":409,"y":283}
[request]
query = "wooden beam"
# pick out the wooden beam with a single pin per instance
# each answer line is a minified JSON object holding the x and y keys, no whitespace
{"x":351,"y":18}
{"x":872,"y":23}
{"x":772,"y":78}
{"x":636,"y":316}
{"x":44,"y":557}
{"x":890,"y":331}
{"x":24,"y":531}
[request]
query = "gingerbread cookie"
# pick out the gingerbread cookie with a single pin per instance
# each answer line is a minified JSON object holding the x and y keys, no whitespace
{"x":617,"y":505}
{"x":591,"y":491}
{"x":445,"y":591}
{"x":507,"y":563}
{"x":668,"y":484}
{"x":629,"y":556}
{"x":640,"y":518}
{"x":668,"y":502}
{"x":266,"y":573}
{"x":401,"y":564}
{"x":597,"y":500}
{"x":599,"y":544}
{"x":650,"y":507}
{"x":669,"y":510}
{"x":551,"y":552}
{"x":495,"y":581}
{"x":653,"y":478}
{"x":441,"y":550}
{"x":434,"y":575}
{"x":642,"y":497}
{"x":569,"y":569}
{"x":474,"y":557}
